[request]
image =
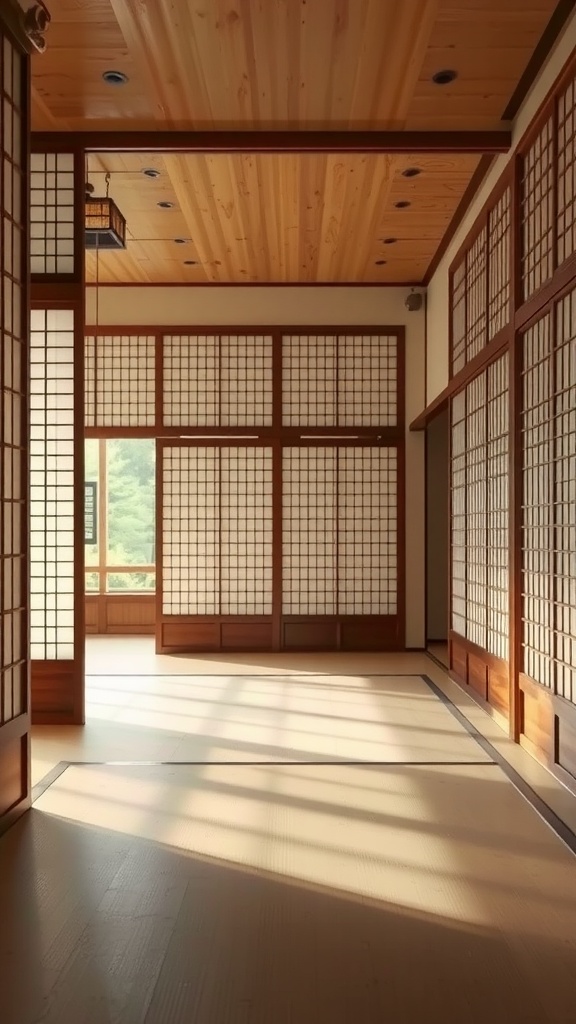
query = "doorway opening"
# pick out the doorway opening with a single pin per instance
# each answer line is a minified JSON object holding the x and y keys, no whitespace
{"x":120,"y":535}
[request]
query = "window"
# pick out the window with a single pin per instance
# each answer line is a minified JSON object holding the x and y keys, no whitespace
{"x":120,"y":522}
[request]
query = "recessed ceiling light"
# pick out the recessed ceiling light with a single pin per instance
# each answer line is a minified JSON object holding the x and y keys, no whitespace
{"x":165,"y":205}
{"x":444,"y":77}
{"x":115,"y":77}
{"x":379,"y":263}
{"x":411,"y":172}
{"x":180,"y":241}
{"x":190,"y":263}
{"x":388,"y":241}
{"x":150,"y":172}
{"x":402,"y":204}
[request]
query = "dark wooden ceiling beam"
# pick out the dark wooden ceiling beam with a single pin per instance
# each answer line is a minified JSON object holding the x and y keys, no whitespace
{"x":277,"y":141}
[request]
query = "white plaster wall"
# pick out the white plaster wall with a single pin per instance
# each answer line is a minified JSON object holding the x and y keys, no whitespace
{"x":437,"y":350}
{"x":199,"y":306}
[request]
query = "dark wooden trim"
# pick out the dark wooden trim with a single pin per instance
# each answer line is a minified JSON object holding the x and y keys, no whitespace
{"x":459,"y":215}
{"x":278,"y":141}
{"x":560,"y":16}
{"x":492,"y":351}
{"x":431,"y":411}
{"x":342,"y":330}
{"x":58,"y":295}
{"x":254,"y":284}
{"x":118,"y":432}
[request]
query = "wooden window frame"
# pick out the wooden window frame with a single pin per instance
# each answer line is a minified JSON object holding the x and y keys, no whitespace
{"x":102,"y":569}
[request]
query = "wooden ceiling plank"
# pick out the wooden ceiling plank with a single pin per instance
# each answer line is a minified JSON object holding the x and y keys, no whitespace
{"x":409,"y":30}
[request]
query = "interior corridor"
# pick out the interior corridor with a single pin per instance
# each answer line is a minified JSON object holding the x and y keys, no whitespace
{"x":285,"y":839}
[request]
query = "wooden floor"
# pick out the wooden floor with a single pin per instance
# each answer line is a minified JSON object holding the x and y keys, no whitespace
{"x":327,"y":844}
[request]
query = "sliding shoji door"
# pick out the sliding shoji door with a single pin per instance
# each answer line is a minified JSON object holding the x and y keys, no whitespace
{"x":342,"y":491}
{"x":548,"y":603}
{"x":481,"y":331}
{"x":14,"y":665}
{"x":280,"y":491}
{"x":480,"y":534}
{"x":57,"y":435}
{"x":214,"y":492}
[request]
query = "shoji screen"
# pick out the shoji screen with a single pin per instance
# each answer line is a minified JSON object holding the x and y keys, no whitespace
{"x":14,"y":668}
{"x":216,"y":549}
{"x":57,"y":182}
{"x":480,"y":292}
{"x":566,"y":173}
{"x":341,"y":500}
{"x":52,"y":213}
{"x":537,"y":262}
{"x":287,"y":530}
{"x":217,"y":380}
{"x":52,"y":524}
{"x":480,"y":531}
{"x":120,"y":380}
{"x":549,"y":500}
{"x":339,"y":380}
{"x":340,"y":550}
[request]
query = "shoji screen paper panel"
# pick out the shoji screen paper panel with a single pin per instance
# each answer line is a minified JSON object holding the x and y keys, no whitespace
{"x":566,"y":173}
{"x":339,"y":380}
{"x":499,"y":231}
{"x":476,"y":533}
{"x":549,"y":501}
{"x":458,"y":511}
{"x":480,"y":284}
{"x":480,"y":532}
{"x":56,"y":564}
{"x":565,"y":496}
{"x":339,"y":545}
{"x":367,"y":531}
{"x":52,"y":242}
{"x":309,"y":543}
{"x":215,"y":507}
{"x":497,"y":510}
{"x":537,"y":501}
{"x":217,"y":380}
{"x":119,"y":382}
{"x":52,"y":485}
{"x":537,"y":198}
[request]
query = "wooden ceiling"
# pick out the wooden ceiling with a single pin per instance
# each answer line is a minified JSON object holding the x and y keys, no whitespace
{"x":278,"y":217}
{"x":283,"y":63}
{"x":300,"y":65}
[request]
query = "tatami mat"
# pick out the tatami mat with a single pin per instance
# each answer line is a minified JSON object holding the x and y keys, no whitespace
{"x":272,"y":894}
{"x":250,"y":719}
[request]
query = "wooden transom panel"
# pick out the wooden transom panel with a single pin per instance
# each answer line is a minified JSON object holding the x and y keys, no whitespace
{"x":283,"y":63}
{"x":261,"y":218}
